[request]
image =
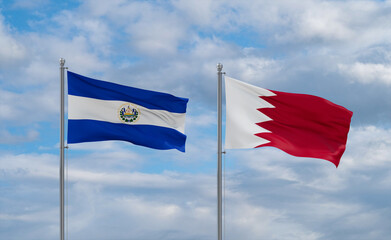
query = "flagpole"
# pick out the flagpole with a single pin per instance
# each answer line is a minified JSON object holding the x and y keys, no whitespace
{"x":219,"y":151}
{"x":62,"y":69}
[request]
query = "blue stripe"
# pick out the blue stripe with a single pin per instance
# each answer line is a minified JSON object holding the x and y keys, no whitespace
{"x":87,"y":87}
{"x":144,"y":135}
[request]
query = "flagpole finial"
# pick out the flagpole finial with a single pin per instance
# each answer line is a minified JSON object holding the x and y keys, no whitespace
{"x":219,"y":67}
{"x":219,"y":151}
{"x":62,"y":61}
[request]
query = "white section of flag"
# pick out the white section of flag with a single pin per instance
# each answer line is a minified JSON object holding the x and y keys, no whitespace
{"x":108,"y":111}
{"x":242,"y":102}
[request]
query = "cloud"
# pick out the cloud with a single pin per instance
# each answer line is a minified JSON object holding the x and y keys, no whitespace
{"x":149,"y":29}
{"x":316,"y":22}
{"x":376,"y":152}
{"x":268,"y":196}
{"x":156,"y":33}
{"x":14,"y":105}
{"x":8,"y":138}
{"x":181,"y":201}
{"x":11,"y":50}
{"x":29,"y":166}
{"x":257,"y":222}
{"x":368,"y":73}
{"x":81,"y":26}
{"x":303,"y":194}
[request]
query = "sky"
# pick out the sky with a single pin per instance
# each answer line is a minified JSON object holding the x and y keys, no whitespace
{"x":335,"y":49}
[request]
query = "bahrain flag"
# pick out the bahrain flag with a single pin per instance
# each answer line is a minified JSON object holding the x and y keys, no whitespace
{"x":299,"y":124}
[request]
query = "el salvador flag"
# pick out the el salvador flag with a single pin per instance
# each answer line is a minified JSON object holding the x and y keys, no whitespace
{"x":100,"y":111}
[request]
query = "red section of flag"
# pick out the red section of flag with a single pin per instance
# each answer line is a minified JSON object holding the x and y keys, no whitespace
{"x":306,"y":126}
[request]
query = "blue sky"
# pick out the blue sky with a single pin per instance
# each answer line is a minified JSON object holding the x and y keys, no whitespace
{"x":339,"y":50}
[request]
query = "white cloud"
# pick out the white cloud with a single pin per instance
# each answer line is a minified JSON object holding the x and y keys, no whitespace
{"x":77,"y":52}
{"x":96,"y":31}
{"x":161,"y":38}
{"x":30,"y":166}
{"x":8,"y":138}
{"x":15,"y":105}
{"x":252,"y":69}
{"x":368,"y":147}
{"x":11,"y":49}
{"x":151,"y":29}
{"x":201,"y":120}
{"x":269,"y":194}
{"x":204,"y":14}
{"x":89,"y":169}
{"x":47,"y":219}
{"x":164,"y":216}
{"x":209,"y":15}
{"x":43,"y":216}
{"x":323,"y":21}
{"x":256,"y":222}
{"x":351,"y":24}
{"x":157,"y":32}
{"x":135,"y":180}
{"x":367,"y":73}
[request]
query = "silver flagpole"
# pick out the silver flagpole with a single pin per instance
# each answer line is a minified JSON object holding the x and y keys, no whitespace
{"x":219,"y":151}
{"x":62,"y":69}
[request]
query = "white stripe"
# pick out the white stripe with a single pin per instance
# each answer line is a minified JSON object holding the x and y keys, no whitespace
{"x":242,"y":102}
{"x":108,"y":111}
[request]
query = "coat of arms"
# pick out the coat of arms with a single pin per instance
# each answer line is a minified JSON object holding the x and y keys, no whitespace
{"x":128,"y":113}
